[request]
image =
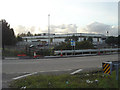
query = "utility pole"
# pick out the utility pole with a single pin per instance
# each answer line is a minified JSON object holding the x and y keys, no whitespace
{"x":48,"y":30}
{"x":107,"y":34}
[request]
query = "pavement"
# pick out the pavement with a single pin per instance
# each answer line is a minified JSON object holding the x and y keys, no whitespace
{"x":11,"y":58}
{"x":16,"y":68}
{"x":58,"y":56}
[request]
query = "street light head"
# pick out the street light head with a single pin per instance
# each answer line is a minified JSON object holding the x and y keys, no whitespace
{"x":113,"y":26}
{"x":31,"y":46}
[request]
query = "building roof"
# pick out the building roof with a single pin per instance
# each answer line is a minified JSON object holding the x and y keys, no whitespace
{"x":65,"y":35}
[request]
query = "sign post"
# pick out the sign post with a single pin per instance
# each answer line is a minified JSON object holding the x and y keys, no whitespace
{"x":61,"y":53}
{"x":117,"y":72}
{"x":73,"y":45}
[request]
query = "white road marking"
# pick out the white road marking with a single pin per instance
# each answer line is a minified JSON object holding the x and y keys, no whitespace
{"x":76,"y":71}
{"x":56,"y":70}
{"x":37,"y":72}
{"x":25,"y":75}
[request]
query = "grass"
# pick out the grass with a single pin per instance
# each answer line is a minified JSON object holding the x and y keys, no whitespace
{"x":68,"y":81}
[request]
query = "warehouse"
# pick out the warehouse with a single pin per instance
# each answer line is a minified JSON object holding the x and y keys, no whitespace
{"x":55,"y":39}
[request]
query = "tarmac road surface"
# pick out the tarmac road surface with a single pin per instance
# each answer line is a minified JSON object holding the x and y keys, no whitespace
{"x":37,"y":65}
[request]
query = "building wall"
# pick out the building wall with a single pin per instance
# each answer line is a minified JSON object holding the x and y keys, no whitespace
{"x":80,"y":39}
{"x":94,"y":39}
{"x":56,"y":39}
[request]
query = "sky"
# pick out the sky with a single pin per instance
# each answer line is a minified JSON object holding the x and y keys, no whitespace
{"x":66,"y":16}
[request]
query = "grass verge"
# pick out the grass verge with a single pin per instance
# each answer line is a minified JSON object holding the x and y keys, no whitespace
{"x":82,"y":80}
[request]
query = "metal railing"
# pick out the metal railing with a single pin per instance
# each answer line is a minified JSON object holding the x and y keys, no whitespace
{"x":88,"y":51}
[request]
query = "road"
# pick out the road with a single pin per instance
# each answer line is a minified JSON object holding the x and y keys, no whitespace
{"x":14,"y":68}
{"x":37,"y":65}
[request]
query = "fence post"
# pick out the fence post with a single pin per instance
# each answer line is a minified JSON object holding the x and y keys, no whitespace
{"x":61,"y":53}
{"x":117,"y":71}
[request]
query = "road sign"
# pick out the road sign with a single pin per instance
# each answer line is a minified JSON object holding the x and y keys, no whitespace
{"x":107,"y":67}
{"x":72,"y":43}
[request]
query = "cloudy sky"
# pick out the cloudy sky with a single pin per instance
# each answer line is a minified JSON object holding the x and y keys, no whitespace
{"x":66,"y":16}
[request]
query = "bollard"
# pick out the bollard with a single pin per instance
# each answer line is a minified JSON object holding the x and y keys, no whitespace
{"x":116,"y":67}
{"x":99,"y":52}
{"x":107,"y":67}
{"x":34,"y":54}
{"x":61,"y":53}
{"x":117,"y":71}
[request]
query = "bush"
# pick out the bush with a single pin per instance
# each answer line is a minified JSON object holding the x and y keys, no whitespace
{"x":45,"y":52}
{"x":79,"y":45}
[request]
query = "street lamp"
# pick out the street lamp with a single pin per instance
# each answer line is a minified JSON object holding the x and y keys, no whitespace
{"x":30,"y":47}
{"x":48,"y":30}
{"x":107,"y":30}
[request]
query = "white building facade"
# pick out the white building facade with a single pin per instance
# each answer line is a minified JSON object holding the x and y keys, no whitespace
{"x":54,"y":39}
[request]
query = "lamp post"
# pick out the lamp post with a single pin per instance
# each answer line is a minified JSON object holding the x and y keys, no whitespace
{"x":107,"y":31}
{"x":48,"y":30}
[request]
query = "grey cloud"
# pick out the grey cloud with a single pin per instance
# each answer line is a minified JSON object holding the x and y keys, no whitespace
{"x":100,"y":28}
{"x":32,"y":29}
{"x":22,"y":29}
{"x":97,"y":27}
{"x":64,"y":28}
{"x":43,"y":31}
{"x":94,"y":27}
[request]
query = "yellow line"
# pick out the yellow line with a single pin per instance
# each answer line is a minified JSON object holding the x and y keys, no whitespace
{"x":106,"y":67}
{"x":108,"y":72}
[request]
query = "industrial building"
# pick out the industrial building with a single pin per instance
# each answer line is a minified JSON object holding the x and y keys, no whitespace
{"x":56,"y":39}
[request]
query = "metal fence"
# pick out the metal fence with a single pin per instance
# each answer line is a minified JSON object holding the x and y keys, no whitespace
{"x":87,"y":51}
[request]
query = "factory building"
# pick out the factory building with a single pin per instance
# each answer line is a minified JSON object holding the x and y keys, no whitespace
{"x":56,"y":39}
